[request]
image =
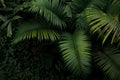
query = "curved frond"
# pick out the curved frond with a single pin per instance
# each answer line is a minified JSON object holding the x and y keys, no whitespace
{"x":105,"y":23}
{"x":30,"y":30}
{"x":109,"y":61}
{"x":75,"y":51}
{"x":52,"y":10}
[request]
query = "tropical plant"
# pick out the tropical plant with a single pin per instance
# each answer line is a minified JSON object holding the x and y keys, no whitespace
{"x":73,"y":44}
{"x":86,"y":33}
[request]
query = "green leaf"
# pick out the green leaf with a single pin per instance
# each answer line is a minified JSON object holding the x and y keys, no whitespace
{"x":52,"y":10}
{"x":108,"y":59}
{"x":16,"y":17}
{"x":30,"y":30}
{"x":9,"y":30}
{"x":75,"y":51}
{"x":106,"y":23}
{"x":5,"y":24}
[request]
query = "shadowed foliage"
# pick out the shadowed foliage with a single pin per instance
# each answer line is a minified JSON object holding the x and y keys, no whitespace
{"x":59,"y":39}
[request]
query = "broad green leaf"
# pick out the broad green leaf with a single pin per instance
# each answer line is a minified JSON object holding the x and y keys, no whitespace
{"x":75,"y":51}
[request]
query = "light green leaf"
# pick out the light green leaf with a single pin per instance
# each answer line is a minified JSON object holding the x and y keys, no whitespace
{"x":75,"y":51}
{"x":106,"y":23}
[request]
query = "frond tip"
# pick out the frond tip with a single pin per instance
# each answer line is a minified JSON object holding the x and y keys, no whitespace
{"x":75,"y":51}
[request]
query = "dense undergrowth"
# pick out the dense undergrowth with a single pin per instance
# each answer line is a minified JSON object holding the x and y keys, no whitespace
{"x":59,"y":39}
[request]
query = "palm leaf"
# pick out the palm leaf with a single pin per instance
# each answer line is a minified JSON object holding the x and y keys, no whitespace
{"x":75,"y":51}
{"x":52,"y":10}
{"x":30,"y":30}
{"x":109,"y":61}
{"x":103,"y":22}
